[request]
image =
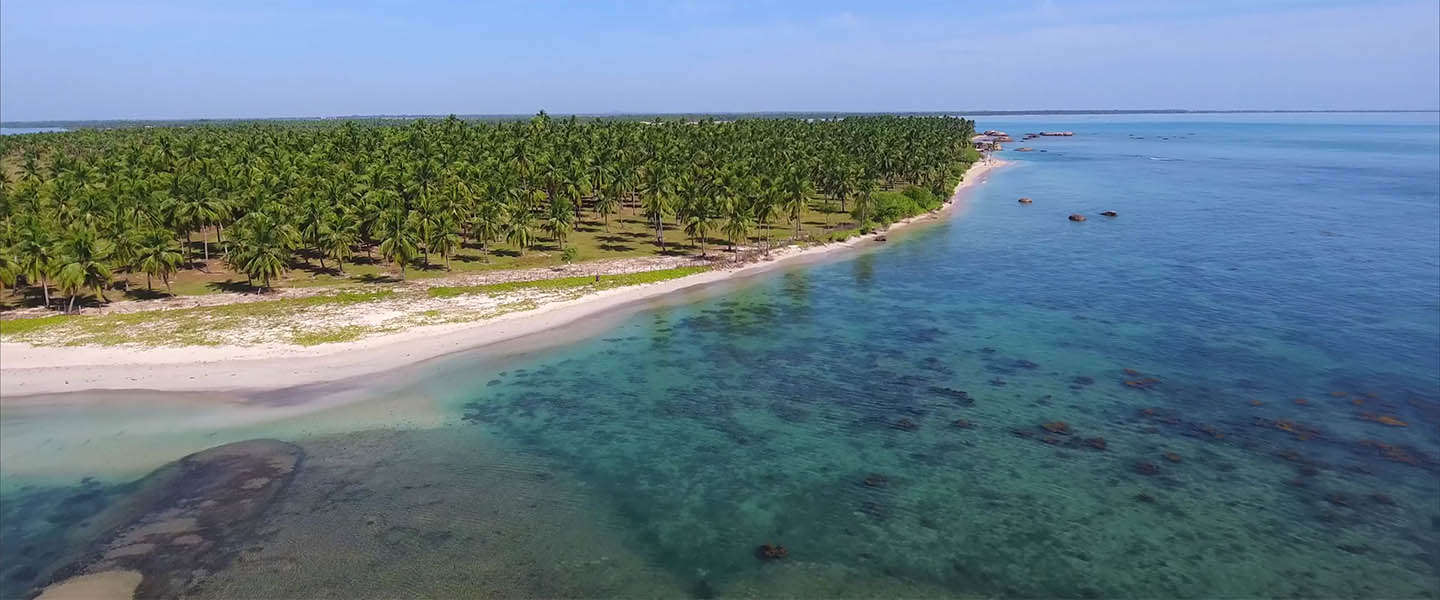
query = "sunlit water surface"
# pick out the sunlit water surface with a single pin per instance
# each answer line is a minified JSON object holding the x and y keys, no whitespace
{"x":1245,"y":363}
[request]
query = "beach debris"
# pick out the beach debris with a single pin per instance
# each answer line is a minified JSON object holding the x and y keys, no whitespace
{"x":1077,"y":217}
{"x":769,"y":552}
{"x":905,"y":425}
{"x":876,"y":480}
{"x":1025,"y":200}
{"x":1146,"y":468}
{"x":1109,"y":213}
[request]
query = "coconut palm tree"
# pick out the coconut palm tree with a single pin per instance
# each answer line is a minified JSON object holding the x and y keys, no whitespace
{"x":83,"y":266}
{"x":399,"y":238}
{"x":157,"y":256}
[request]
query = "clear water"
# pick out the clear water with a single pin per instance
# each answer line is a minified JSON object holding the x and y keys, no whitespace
{"x":1255,"y":261}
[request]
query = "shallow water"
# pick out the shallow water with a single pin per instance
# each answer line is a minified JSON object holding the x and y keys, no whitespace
{"x":1255,"y":261}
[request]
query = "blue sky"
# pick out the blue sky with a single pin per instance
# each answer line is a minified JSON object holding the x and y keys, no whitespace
{"x":87,"y":59}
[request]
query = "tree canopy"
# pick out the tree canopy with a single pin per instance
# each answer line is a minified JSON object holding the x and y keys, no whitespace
{"x":75,"y":206}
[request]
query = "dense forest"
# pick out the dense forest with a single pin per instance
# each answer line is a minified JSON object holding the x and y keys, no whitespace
{"x":79,"y":208}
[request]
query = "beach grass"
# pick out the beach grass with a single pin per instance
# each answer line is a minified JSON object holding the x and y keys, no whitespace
{"x":307,"y":321}
{"x":594,"y":283}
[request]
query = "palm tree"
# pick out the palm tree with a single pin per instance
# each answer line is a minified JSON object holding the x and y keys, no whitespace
{"x":559,"y":220}
{"x":399,"y":241}
{"x":337,"y":238}
{"x":157,"y":256}
{"x":518,"y":228}
{"x":83,"y":266}
{"x":488,"y":224}
{"x":738,"y":223}
{"x":699,"y":221}
{"x":263,"y":246}
{"x":444,"y":237}
{"x":38,"y":255}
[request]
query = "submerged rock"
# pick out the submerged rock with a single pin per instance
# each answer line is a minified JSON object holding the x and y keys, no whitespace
{"x":189,"y":517}
{"x":771,"y":552}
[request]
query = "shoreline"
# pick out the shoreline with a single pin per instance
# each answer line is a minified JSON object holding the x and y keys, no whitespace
{"x":27,"y":370}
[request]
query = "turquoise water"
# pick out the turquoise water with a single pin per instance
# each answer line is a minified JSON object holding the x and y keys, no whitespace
{"x":1271,"y":284}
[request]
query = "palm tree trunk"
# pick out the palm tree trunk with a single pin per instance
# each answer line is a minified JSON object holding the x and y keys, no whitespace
{"x":45,"y":289}
{"x":147,"y":283}
{"x":72,"y":305}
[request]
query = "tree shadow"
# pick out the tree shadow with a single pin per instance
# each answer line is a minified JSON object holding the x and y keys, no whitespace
{"x":364,"y":260}
{"x":616,"y":247}
{"x":374,"y":278}
{"x":144,"y":294}
{"x":505,"y":252}
{"x":233,"y":286}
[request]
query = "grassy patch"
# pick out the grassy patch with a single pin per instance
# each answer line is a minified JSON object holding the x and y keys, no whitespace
{"x":328,"y":336}
{"x":186,"y":326}
{"x":567,"y":283}
{"x":20,"y":327}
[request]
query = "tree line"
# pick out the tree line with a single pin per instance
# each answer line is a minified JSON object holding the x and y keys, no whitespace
{"x":77,"y":207}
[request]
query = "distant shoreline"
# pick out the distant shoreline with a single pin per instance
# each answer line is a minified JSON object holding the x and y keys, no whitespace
{"x":622,"y":116}
{"x":35,"y":370}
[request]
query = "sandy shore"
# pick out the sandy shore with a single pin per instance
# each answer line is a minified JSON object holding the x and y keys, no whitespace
{"x":27,"y":370}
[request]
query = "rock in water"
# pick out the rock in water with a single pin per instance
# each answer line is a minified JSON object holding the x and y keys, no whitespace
{"x":1025,"y":200}
{"x":1077,"y":217}
{"x":1110,"y":213}
{"x":191,"y":516}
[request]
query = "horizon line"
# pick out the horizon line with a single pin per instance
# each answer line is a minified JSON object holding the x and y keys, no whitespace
{"x":632,"y":114}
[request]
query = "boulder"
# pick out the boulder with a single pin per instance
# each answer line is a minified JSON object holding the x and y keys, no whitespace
{"x":1110,"y":213}
{"x":1025,"y":200}
{"x":1077,"y":217}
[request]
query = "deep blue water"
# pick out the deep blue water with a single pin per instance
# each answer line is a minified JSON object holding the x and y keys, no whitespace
{"x":1267,"y":296}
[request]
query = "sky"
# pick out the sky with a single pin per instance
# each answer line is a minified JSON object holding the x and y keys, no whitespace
{"x":102,"y":59}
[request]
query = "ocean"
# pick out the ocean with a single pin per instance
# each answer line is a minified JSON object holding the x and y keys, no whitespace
{"x":1231,"y":388}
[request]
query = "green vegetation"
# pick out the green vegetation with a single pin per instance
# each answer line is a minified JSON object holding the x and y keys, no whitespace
{"x":184,"y":326}
{"x":590,"y":283}
{"x":305,"y":321}
{"x":248,"y":206}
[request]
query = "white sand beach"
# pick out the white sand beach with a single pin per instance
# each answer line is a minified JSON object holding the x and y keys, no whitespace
{"x":27,"y":369}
